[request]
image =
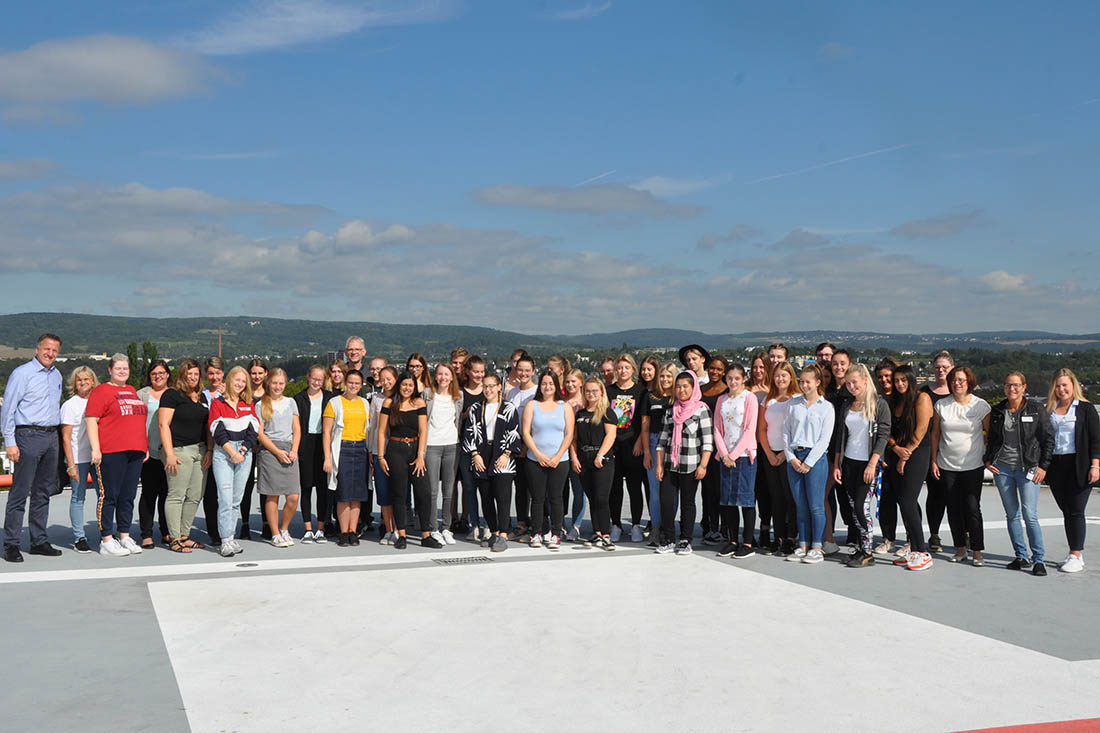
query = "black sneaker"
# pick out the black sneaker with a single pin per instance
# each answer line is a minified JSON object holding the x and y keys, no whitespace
{"x":44,"y":548}
{"x":81,"y":546}
{"x":744,"y":551}
{"x":1039,"y":569}
{"x":245,"y":533}
{"x":342,"y":540}
{"x":860,"y":560}
{"x":353,"y":539}
{"x":727,"y":549}
{"x":786,"y":548}
{"x":431,"y":542}
{"x":934,"y":544}
{"x":1020,"y":563}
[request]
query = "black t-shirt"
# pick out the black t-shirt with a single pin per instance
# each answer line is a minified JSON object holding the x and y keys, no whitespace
{"x":189,"y":419}
{"x":711,"y":401}
{"x":629,"y":405}
{"x":657,"y":407}
{"x":409,"y":424}
{"x":927,"y":389}
{"x":468,"y":401}
{"x":590,"y":433}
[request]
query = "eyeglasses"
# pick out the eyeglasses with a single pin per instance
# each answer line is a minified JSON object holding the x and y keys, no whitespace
{"x":1012,"y":385}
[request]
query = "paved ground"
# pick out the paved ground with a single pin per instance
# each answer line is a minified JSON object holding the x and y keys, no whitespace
{"x":318,"y":635}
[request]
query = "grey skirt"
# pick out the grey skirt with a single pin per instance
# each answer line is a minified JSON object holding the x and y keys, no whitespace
{"x":275,"y":478}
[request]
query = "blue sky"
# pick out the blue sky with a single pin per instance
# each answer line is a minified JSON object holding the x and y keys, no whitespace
{"x":561,"y":166}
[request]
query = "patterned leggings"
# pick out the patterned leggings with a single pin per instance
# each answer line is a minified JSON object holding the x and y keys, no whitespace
{"x":861,"y":498}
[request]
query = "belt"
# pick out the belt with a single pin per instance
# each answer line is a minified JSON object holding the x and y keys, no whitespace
{"x":352,"y":442}
{"x":803,"y":447}
{"x":408,"y":441}
{"x":40,"y":428}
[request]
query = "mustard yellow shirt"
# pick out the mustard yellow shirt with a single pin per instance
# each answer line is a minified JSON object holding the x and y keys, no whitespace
{"x":355,"y":418}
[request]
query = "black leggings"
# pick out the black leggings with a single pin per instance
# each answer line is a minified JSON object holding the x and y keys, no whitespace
{"x":858,"y":496}
{"x":683,"y":485}
{"x":839,"y":507}
{"x":496,"y":500}
{"x":784,"y":510}
{"x":546,"y":483}
{"x":154,"y":490}
{"x":763,"y":500}
{"x":888,"y":503}
{"x":597,"y":487}
{"x":730,"y":521}
{"x":399,"y":456}
{"x":712,"y":495}
{"x":311,"y":474}
{"x":935,"y":501}
{"x":630,"y":469}
{"x":1071,"y":497}
{"x":246,"y":499}
{"x":523,"y":500}
{"x":964,"y":506}
{"x":210,"y":509}
{"x":906,"y":490}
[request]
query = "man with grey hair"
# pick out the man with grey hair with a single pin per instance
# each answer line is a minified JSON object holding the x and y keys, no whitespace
{"x":29,"y":419}
{"x":354,"y":351}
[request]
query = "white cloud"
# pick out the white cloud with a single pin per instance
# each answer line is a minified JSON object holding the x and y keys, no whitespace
{"x":588,"y":10}
{"x":833,"y":51}
{"x":664,"y":187}
{"x":938,"y":226}
{"x":358,"y":233}
{"x":109,"y":69}
{"x":608,"y":198}
{"x":799,"y":239}
{"x":28,"y":168}
{"x":1004,"y":282}
{"x":265,"y":25}
{"x":739,"y":233}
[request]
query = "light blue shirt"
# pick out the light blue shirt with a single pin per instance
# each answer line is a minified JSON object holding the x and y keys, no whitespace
{"x":1065,"y":429}
{"x":808,"y":426}
{"x":548,"y":431}
{"x":32,"y":397}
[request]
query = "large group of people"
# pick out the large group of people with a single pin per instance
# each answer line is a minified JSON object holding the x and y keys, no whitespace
{"x":773,"y":453}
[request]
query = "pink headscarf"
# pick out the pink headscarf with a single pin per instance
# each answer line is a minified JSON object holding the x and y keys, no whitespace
{"x":681,"y":411}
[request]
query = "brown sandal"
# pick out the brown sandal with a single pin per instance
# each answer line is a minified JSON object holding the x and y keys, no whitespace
{"x":188,"y":542}
{"x":178,"y":546}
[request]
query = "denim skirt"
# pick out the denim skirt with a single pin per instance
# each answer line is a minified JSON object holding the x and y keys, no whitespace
{"x":738,"y":483}
{"x":351,"y":474}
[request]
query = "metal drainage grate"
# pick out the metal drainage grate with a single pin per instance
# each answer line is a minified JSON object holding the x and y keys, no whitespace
{"x":460,"y":560}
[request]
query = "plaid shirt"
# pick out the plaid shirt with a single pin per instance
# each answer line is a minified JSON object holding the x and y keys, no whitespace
{"x":697,"y":437}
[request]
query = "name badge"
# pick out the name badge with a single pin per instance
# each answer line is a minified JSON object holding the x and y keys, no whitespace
{"x":1027,"y":418}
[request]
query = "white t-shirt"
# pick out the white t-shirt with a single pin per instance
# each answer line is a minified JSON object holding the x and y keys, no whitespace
{"x":961,"y":441}
{"x":316,"y":414}
{"x":858,"y":446}
{"x":775,"y":413}
{"x":491,"y":410}
{"x":72,"y":413}
{"x":441,"y":423}
{"x":733,"y":416}
{"x":520,"y":397}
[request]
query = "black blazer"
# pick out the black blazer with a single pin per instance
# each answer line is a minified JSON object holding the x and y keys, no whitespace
{"x":305,"y":406}
{"x":1086,"y":440}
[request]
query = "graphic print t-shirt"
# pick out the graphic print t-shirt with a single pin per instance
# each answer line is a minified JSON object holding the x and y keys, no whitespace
{"x":121,"y":416}
{"x":629,"y":406}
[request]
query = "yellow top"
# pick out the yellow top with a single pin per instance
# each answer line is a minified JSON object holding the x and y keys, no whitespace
{"x":355,"y":418}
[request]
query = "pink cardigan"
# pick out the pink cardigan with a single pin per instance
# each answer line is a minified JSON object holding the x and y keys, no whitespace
{"x":747,"y":444}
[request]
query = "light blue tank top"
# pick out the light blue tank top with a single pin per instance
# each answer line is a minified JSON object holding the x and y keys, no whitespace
{"x":547,"y":430}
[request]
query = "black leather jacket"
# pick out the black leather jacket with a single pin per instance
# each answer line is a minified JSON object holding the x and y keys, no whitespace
{"x":1036,"y":434}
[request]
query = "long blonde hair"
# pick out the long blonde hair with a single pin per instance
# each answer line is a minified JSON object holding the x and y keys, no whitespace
{"x":246,"y":393}
{"x":267,"y":409}
{"x":1078,"y":394}
{"x":672,"y":369}
{"x":602,"y":405}
{"x":868,"y":402}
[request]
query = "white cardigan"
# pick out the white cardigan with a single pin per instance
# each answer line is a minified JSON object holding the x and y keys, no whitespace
{"x":337,"y":404}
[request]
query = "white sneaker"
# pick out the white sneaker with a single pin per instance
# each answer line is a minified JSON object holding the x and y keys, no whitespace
{"x":814,"y":556}
{"x":919,"y":561}
{"x":536,"y":540}
{"x":128,"y":543}
{"x":474,"y":535}
{"x":307,"y":538}
{"x":885,"y":548}
{"x":278,"y":541}
{"x":554,"y":543}
{"x":448,"y":537}
{"x":616,"y":533}
{"x":438,"y":537}
{"x":227,"y":549}
{"x":1072,"y":564}
{"x":287,"y":538}
{"x":665,"y":549}
{"x":112,"y":548}
{"x":237,"y":549}
{"x":904,"y":551}
{"x":386,"y":539}
{"x":319,"y":537}
{"x":636,"y":534}
{"x":574,"y":534}
{"x":797,"y":555}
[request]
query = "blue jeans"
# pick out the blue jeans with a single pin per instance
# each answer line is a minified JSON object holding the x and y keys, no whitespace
{"x":1018,"y":493}
{"x":230,"y":479}
{"x":808,"y":490}
{"x":76,"y":503}
{"x":574,"y":483}
{"x":655,"y":486}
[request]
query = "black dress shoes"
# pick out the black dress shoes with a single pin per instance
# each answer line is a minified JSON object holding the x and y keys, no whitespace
{"x":45,"y":548}
{"x":12,"y":554}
